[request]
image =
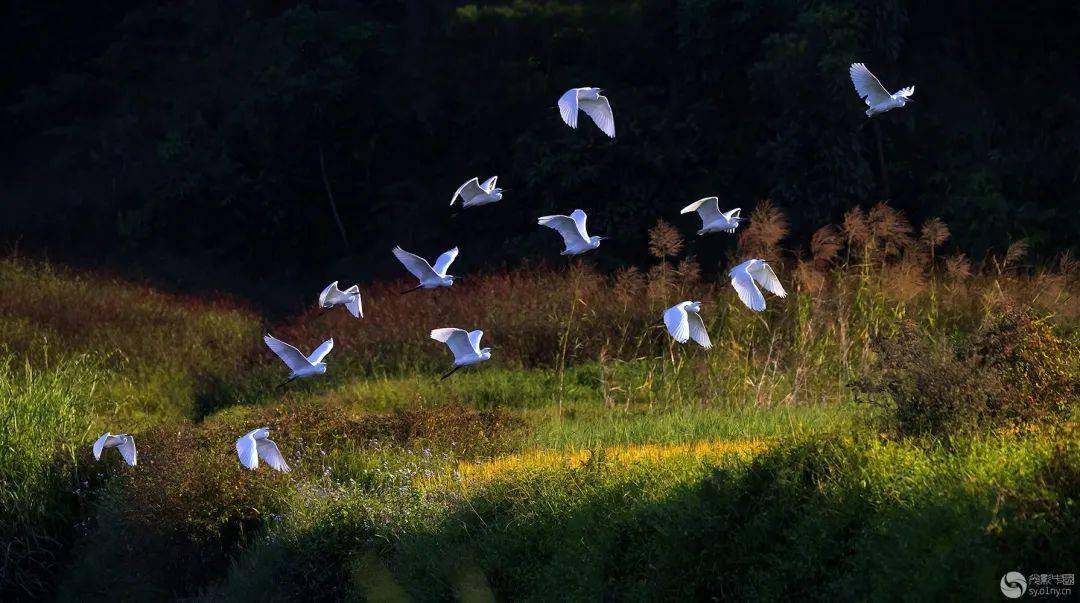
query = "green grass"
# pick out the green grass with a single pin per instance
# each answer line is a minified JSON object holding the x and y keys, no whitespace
{"x":45,"y":415}
{"x":817,"y":518}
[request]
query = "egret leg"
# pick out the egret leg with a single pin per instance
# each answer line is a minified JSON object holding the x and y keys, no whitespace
{"x":411,"y":290}
{"x":450,"y":373}
{"x":285,"y":382}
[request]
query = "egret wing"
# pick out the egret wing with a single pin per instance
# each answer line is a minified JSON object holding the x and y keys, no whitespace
{"x":579,"y":219}
{"x":127,"y":450}
{"x":697,"y":330}
{"x":247,"y":450}
{"x":442,"y":263}
{"x":468,"y":191}
{"x":867,"y":85}
{"x":568,"y":107}
{"x":474,"y":340}
{"x":320,"y":352}
{"x":456,"y":339}
{"x":416,"y":265}
{"x":565,"y":226}
{"x":268,"y":451}
{"x":288,"y":354}
{"x":748,"y":291}
{"x":767,"y":278}
{"x":708,"y":208}
{"x":677,"y":324}
{"x":355,"y":305}
{"x":489,"y":184}
{"x":327,"y":292}
{"x":99,"y":445}
{"x":600,"y":112}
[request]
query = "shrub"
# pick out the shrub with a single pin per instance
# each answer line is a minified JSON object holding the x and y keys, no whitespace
{"x":1014,"y":371}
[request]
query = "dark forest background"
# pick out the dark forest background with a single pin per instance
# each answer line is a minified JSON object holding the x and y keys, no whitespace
{"x":191,"y":143}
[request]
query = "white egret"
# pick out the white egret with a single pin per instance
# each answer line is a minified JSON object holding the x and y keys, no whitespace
{"x":594,"y":104}
{"x":874,"y":94}
{"x":465,"y":345}
{"x":684,"y":322}
{"x":350,"y":298}
{"x":748,"y":275}
{"x":256,"y":444}
{"x":474,"y":194}
{"x":712,"y":219}
{"x":428,"y":276}
{"x":122,"y":441}
{"x":572,"y":229}
{"x":301,"y":366}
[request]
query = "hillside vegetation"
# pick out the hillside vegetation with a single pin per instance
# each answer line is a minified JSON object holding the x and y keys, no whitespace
{"x":900,"y":413}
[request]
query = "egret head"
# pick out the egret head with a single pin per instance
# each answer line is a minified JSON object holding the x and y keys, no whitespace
{"x":595,"y":240}
{"x":321,"y":367}
{"x":485,"y":353}
{"x":497,"y":193}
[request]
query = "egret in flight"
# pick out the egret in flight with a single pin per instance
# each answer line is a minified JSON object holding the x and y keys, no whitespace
{"x":712,"y":219}
{"x":256,"y":444}
{"x":474,"y":194}
{"x":594,"y":104}
{"x":123,"y":441}
{"x":572,"y":229}
{"x":350,"y":298}
{"x":683,"y":321}
{"x":300,"y":365}
{"x":465,"y":345}
{"x":429,"y":277}
{"x":748,"y":275}
{"x":874,"y":94}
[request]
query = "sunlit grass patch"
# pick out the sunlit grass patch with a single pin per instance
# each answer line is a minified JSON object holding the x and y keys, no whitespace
{"x":468,"y":473}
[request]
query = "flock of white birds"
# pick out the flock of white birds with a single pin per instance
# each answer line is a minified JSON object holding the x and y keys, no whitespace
{"x":683,"y":320}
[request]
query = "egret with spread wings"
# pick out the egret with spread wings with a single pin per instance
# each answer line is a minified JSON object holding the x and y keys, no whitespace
{"x":350,"y":298}
{"x":712,"y":219}
{"x":256,"y":444}
{"x":874,"y":94}
{"x":683,"y":321}
{"x":121,"y":441}
{"x":748,"y":275}
{"x":429,"y":276}
{"x":572,"y":229}
{"x":465,"y":345}
{"x":300,"y":365}
{"x":473,"y":193}
{"x":589,"y":101}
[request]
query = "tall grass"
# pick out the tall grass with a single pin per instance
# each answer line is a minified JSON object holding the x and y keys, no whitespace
{"x":45,"y":415}
{"x":855,"y":282}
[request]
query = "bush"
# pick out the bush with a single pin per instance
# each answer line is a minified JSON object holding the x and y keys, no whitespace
{"x":1014,"y":371}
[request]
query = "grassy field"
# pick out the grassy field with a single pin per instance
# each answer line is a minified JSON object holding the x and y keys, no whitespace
{"x":803,"y":457}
